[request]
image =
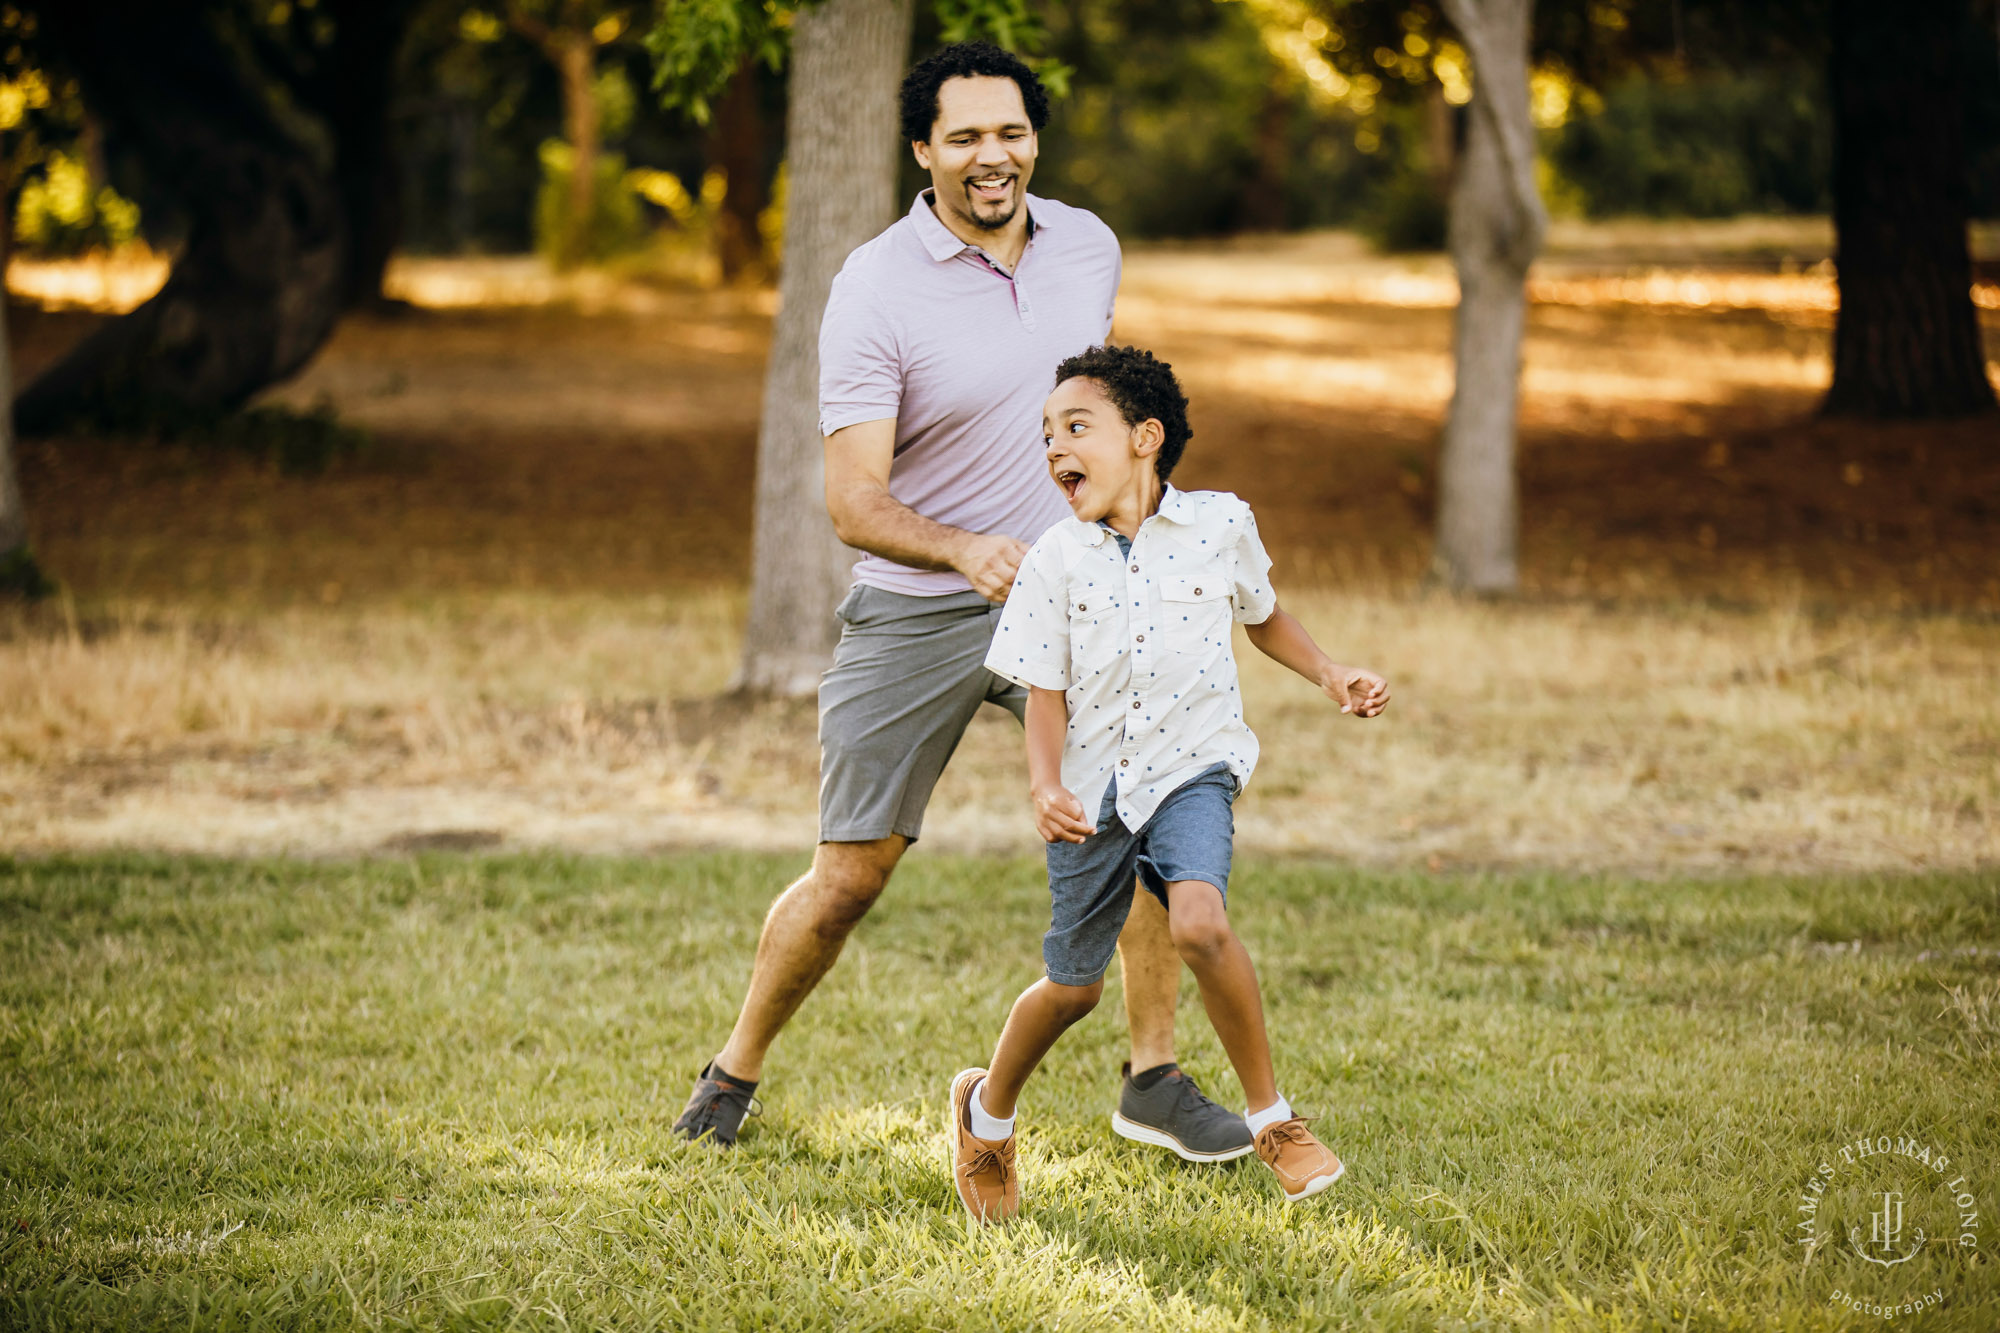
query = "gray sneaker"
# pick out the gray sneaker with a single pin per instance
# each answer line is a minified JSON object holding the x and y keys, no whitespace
{"x":715,"y":1111}
{"x":1174,"y":1114}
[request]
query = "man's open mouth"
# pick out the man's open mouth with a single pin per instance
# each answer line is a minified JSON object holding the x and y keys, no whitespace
{"x":1071,"y":482}
{"x":992,"y":189}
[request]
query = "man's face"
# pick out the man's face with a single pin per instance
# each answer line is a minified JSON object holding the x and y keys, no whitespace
{"x":981,"y":151}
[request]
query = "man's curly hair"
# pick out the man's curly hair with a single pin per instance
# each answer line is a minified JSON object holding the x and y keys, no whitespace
{"x":1143,"y":388}
{"x":965,"y":60}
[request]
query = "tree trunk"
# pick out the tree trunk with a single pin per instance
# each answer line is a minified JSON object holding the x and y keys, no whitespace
{"x":13,"y":513}
{"x":1907,"y":341}
{"x":847,"y":58}
{"x":576,"y":57}
{"x":358,"y":90}
{"x":1497,"y":223}
{"x":737,"y":146}
{"x":1263,"y":207}
{"x":257,"y":286}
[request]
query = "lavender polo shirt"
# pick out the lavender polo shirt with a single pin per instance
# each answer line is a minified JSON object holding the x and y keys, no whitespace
{"x":928,"y":330}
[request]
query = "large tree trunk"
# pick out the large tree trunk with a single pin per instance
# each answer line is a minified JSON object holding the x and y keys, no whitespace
{"x":13,"y":513}
{"x":1907,"y":340}
{"x":847,"y":57}
{"x":1497,"y":223}
{"x":257,"y":287}
{"x":359,"y":88}
{"x":737,"y":146}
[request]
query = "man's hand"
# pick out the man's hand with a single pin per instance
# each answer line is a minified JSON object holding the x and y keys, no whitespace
{"x":989,"y":562}
{"x":1059,"y":815}
{"x":1362,"y":693}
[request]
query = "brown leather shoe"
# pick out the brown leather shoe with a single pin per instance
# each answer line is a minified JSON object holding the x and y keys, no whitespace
{"x":982,"y":1170}
{"x":1303,"y":1164}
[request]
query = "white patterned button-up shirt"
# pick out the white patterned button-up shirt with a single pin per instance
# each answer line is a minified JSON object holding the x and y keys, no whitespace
{"x":1140,"y":645}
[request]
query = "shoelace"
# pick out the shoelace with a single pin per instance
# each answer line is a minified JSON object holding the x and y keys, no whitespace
{"x":987,"y":1159}
{"x":1286,"y":1131}
{"x":727,"y":1093}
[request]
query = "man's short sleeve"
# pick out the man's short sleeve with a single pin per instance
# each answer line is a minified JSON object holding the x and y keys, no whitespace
{"x":860,"y":362}
{"x":1031,"y":647}
{"x":1251,"y":597}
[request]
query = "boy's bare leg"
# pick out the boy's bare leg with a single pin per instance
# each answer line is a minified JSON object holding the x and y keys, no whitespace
{"x":1044,"y":1012}
{"x":803,"y":934}
{"x":1152,"y":972}
{"x":1228,"y":980}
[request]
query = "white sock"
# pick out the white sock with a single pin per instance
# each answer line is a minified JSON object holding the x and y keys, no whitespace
{"x":987,"y":1126}
{"x":1259,"y":1121}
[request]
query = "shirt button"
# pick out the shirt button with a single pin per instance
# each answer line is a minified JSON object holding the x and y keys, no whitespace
{"x":1124,"y":763}
{"x":1135,"y":569}
{"x":1197,"y":592}
{"x":1135,"y":703}
{"x":1139,"y":638}
{"x":1081,"y":607}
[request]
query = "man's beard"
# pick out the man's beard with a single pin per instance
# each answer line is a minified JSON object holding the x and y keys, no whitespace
{"x":992,"y":223}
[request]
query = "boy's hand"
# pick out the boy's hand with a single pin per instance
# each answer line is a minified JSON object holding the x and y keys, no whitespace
{"x":1059,"y":815}
{"x":1362,"y":693}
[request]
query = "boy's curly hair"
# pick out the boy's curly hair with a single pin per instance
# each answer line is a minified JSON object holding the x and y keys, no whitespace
{"x":1143,"y":388}
{"x":965,"y":60}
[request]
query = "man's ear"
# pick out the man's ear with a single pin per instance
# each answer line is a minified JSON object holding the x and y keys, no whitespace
{"x":922,"y":152}
{"x":1148,"y":436}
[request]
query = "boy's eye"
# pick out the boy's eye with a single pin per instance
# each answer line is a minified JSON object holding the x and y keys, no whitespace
{"x":1075,"y":426}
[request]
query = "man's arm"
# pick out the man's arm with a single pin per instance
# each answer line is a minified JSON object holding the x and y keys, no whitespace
{"x":867,"y":516}
{"x":1285,"y":641}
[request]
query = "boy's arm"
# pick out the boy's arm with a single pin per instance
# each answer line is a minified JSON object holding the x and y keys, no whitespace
{"x":1059,"y":815}
{"x":1285,"y":641}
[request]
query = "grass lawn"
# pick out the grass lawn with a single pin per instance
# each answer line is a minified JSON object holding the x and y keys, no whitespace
{"x":436,"y":1093}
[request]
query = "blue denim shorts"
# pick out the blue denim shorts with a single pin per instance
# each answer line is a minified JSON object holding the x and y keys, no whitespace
{"x":1090,"y":882}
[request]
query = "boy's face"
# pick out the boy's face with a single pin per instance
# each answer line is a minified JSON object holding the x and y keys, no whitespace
{"x":1095,"y":457}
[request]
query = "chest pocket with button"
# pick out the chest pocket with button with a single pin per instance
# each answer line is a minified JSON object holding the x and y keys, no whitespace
{"x":1096,"y":630}
{"x":1194,"y":609}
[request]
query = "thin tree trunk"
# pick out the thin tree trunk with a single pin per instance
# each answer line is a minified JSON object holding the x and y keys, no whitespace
{"x":1906,"y":342}
{"x":737,"y":146}
{"x":13,"y":513}
{"x":1497,"y":224}
{"x":257,"y":286}
{"x":847,"y":57}
{"x":576,"y":57}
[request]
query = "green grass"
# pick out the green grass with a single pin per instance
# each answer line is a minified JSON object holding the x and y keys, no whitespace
{"x":436,"y":1093}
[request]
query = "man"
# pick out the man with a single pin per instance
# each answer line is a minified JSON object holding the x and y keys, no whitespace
{"x":939,"y":343}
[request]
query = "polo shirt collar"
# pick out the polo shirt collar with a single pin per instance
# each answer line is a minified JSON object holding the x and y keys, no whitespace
{"x":1175,"y":507}
{"x":937,"y":238}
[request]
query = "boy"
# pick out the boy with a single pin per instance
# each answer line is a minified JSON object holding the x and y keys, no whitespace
{"x":1119,"y":628}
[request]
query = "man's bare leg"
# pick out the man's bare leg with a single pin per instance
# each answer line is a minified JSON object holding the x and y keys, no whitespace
{"x":803,"y":934}
{"x":1152,"y":971}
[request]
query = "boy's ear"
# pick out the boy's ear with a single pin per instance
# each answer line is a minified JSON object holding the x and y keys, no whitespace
{"x":1148,"y":436}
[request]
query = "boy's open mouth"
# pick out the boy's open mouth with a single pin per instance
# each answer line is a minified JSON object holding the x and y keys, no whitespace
{"x":1071,"y":481}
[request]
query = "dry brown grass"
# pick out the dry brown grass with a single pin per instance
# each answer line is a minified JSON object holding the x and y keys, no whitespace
{"x":1554,"y":735}
{"x":1748,"y":640}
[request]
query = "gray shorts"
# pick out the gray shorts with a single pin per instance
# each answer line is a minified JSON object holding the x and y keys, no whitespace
{"x":1189,"y":837}
{"x":907,"y":677}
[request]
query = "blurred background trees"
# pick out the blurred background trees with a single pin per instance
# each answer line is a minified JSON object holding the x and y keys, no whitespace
{"x":279,"y":151}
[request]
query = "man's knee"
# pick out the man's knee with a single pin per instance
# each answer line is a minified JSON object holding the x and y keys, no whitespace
{"x":849,"y":876}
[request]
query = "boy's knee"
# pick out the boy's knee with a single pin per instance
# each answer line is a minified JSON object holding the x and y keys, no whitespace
{"x":1074,"y":1002}
{"x":1199,"y":936}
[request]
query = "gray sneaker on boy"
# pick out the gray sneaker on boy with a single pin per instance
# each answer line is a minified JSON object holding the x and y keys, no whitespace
{"x":1171,"y":1112}
{"x":714,"y":1113}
